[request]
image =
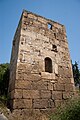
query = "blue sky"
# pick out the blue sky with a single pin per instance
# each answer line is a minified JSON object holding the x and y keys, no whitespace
{"x":66,"y":12}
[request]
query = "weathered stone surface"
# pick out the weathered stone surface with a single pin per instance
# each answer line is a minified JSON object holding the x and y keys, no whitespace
{"x":67,"y":95}
{"x":23,"y":84}
{"x":51,"y":103}
{"x":56,"y":95}
{"x":59,"y":87}
{"x":40,"y":103}
{"x":40,"y":85}
{"x":69,"y":87}
{"x":18,"y":93}
{"x":50,"y":86}
{"x":42,"y":20}
{"x":58,"y":103}
{"x":45,"y":94}
{"x":66,"y":72}
{"x":32,"y":16}
{"x":47,"y":75}
{"x":31,"y":94}
{"x":22,"y":103}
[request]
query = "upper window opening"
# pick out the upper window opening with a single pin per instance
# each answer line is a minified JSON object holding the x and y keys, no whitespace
{"x":54,"y":48}
{"x":13,"y":42}
{"x":48,"y":65}
{"x":49,"y":26}
{"x":55,"y":35}
{"x":22,"y":43}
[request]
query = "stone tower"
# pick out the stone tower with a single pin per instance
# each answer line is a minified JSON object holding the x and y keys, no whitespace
{"x":40,"y":68}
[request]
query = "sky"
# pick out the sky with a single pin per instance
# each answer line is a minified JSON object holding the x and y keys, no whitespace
{"x":66,"y":12}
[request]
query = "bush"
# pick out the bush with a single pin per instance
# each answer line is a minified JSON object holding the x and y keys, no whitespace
{"x":4,"y":79}
{"x":71,"y":111}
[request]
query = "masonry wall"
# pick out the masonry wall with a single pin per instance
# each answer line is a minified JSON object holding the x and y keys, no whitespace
{"x":31,"y":87}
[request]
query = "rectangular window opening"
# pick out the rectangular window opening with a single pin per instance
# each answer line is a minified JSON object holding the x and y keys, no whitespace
{"x":54,"y":48}
{"x":49,"y":26}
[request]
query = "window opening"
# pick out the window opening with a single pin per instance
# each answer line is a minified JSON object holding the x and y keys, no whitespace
{"x":13,"y":42}
{"x":55,"y":35}
{"x":48,"y":65}
{"x":22,"y":43}
{"x":49,"y":26}
{"x":54,"y":48}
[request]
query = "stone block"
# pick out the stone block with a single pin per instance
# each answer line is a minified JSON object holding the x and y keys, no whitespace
{"x":40,"y":103}
{"x":66,"y":95}
{"x":56,"y":95}
{"x":32,"y":77}
{"x":59,"y":87}
{"x":22,"y":103}
{"x":50,"y":86}
{"x":64,"y":80}
{"x":37,"y":24}
{"x":58,"y":103}
{"x":45,"y":94}
{"x":31,"y":94}
{"x":51,"y":103}
{"x":46,"y":75}
{"x":65,"y":72}
{"x":18,"y":93}
{"x":42,"y":20}
{"x":69,"y":87}
{"x":23,"y":84}
{"x":61,"y":80}
{"x":56,"y":69}
{"x":57,"y":25}
{"x":25,"y":14}
{"x":32,"y":16}
{"x":40,"y":85}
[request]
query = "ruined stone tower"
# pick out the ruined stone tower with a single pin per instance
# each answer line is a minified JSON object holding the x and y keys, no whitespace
{"x":40,"y":69}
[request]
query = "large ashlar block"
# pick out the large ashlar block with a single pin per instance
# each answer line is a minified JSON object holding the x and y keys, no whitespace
{"x":32,"y":16}
{"x":58,"y":103}
{"x":40,"y":103}
{"x":40,"y":85}
{"x":67,"y":95}
{"x":23,"y":84}
{"x":59,"y":87}
{"x":56,"y":69}
{"x":32,"y":77}
{"x":18,"y":93}
{"x":31,"y":94}
{"x":45,"y":94}
{"x":50,"y":86}
{"x":69,"y":87}
{"x":56,"y":95}
{"x":42,"y":20}
{"x":22,"y":103}
{"x":46,"y":75}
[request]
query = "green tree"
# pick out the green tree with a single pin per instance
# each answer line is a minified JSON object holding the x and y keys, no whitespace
{"x":76,"y":73}
{"x":4,"y":79}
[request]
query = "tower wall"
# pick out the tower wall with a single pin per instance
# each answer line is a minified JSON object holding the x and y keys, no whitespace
{"x":40,"y":72}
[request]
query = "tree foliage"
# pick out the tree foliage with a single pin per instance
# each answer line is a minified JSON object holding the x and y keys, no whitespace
{"x":76,"y":73}
{"x":4,"y":79}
